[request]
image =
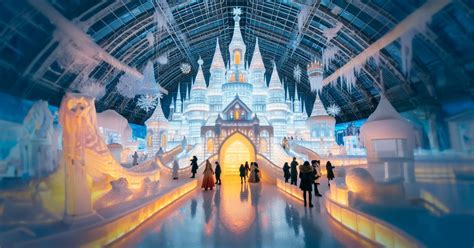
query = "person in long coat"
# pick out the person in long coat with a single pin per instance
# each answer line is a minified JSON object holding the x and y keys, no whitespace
{"x":242,"y":173}
{"x":218,"y":173}
{"x":330,"y":172}
{"x":135,"y":158}
{"x":194,"y":166}
{"x":286,"y":172}
{"x":317,"y":176}
{"x":208,"y":179}
{"x":175,"y":169}
{"x":306,"y":183}
{"x":293,"y":171}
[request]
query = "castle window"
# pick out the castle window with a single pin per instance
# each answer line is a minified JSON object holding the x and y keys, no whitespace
{"x":237,"y":57}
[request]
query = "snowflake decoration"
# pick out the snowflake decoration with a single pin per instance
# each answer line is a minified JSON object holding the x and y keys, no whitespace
{"x":297,"y":73}
{"x":333,"y":110}
{"x":185,"y":68}
{"x":237,"y":11}
{"x":128,"y":86}
{"x":148,"y":102}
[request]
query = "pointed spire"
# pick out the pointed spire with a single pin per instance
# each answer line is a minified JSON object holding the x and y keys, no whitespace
{"x":178,"y":95}
{"x":384,"y":111}
{"x":199,"y":81}
{"x":237,"y":39}
{"x":287,"y":93}
{"x":275,"y":81}
{"x":257,"y":61}
{"x":297,"y":98}
{"x":172,"y":103}
{"x":217,"y":60}
{"x":157,"y":115}
{"x":318,"y":107}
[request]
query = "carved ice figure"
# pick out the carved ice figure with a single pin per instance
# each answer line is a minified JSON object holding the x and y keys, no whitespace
{"x":36,"y":150}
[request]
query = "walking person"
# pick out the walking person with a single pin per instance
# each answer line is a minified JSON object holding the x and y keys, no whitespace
{"x":208,"y":179}
{"x":175,"y":169}
{"x":135,"y":158}
{"x":194,"y":166}
{"x":254,"y":176}
{"x":242,"y":173}
{"x":293,"y":171}
{"x":306,"y":183}
{"x":218,"y":172}
{"x":330,"y":172}
{"x":286,"y":172}
{"x":317,"y":176}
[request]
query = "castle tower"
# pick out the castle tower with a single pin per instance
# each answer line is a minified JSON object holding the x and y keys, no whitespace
{"x":179,"y":103}
{"x":277,"y":109}
{"x":296,"y":102}
{"x":257,"y":79}
{"x":198,"y":108}
{"x":216,"y":81}
{"x":321,"y":127}
{"x":157,"y":131}
{"x":237,"y":78}
{"x":237,"y":46}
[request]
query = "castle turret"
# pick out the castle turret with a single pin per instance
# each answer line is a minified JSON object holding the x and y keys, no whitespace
{"x":257,"y":79}
{"x":237,"y":77}
{"x":277,"y":109}
{"x":179,"y":103}
{"x":216,"y":81}
{"x":157,"y":130}
{"x":296,"y":102}
{"x":321,"y":126}
{"x":237,"y":46}
{"x":198,"y":107}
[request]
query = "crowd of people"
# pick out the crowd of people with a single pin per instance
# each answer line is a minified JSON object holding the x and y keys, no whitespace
{"x":248,"y":173}
{"x":310,"y":176}
{"x":308,"y":173}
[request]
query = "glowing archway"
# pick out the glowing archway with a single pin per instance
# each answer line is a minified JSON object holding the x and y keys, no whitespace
{"x":235,"y":150}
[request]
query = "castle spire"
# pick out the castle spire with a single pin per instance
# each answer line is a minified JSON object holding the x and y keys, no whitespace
{"x":287,"y":93}
{"x":217,"y":61}
{"x":199,"y":82}
{"x":297,"y":98}
{"x":257,"y":61}
{"x":318,"y":107}
{"x":178,"y":95}
{"x":275,"y":81}
{"x":237,"y":46}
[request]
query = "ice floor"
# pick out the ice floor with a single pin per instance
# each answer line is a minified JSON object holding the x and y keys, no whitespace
{"x":235,"y":215}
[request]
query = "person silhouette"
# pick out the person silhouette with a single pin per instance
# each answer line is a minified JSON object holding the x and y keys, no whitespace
{"x":293,"y":171}
{"x":218,"y":172}
{"x":194,"y":166}
{"x":247,"y":169}
{"x":242,"y":173}
{"x":175,"y":169}
{"x":306,"y":183}
{"x":330,"y":172}
{"x":286,"y":172}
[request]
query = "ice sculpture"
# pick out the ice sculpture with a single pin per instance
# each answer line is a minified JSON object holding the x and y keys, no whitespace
{"x":391,"y":140}
{"x":87,"y":157}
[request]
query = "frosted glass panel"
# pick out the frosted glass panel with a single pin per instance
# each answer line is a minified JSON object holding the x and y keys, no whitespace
{"x":390,"y":148}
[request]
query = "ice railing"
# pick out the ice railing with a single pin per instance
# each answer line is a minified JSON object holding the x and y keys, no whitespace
{"x":166,"y":163}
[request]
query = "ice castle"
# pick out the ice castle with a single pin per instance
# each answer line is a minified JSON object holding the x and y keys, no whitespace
{"x":237,"y":98}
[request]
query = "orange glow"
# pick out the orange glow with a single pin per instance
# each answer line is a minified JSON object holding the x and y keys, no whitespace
{"x":236,"y":214}
{"x":237,"y":57}
{"x":235,"y":151}
{"x":369,"y":227}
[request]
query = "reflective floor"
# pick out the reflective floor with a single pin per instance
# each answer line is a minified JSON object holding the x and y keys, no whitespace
{"x":235,"y":215}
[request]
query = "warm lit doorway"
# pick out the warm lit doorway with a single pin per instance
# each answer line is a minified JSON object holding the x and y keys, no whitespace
{"x":235,"y":150}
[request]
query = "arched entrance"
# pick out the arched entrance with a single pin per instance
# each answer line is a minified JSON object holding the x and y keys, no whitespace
{"x":235,"y":150}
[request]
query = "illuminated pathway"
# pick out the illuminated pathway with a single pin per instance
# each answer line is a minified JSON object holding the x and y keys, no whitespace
{"x":251,"y":215}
